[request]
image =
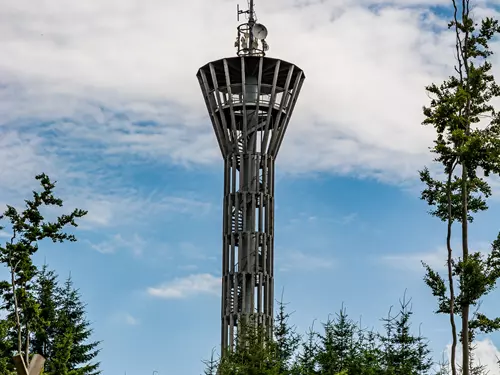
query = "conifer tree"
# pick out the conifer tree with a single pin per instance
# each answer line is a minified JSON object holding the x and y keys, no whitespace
{"x":307,"y":359}
{"x":287,"y":340}
{"x":404,"y":352}
{"x":337,"y":345}
{"x":370,"y":355}
{"x":46,"y":291}
{"x":211,"y":365}
{"x":254,"y":352}
{"x":73,"y":330}
{"x":464,"y":150}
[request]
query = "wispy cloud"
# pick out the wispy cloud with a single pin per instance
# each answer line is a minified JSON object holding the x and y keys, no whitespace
{"x":302,"y":261}
{"x":136,"y":244}
{"x":348,"y":219}
{"x":130,"y":320}
{"x":436,"y":259}
{"x":188,"y":267}
{"x":191,"y":251}
{"x":187,"y":287}
{"x":125,"y":318}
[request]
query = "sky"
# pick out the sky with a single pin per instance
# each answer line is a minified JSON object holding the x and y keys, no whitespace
{"x":102,"y":96}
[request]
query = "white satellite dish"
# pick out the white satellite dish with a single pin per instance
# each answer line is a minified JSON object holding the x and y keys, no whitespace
{"x":259,"y":31}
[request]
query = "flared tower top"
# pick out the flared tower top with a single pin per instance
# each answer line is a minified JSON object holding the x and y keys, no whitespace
{"x":250,"y":97}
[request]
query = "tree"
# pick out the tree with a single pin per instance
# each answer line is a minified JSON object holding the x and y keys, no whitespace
{"x":405,"y":353}
{"x":307,"y":359}
{"x":5,"y":349}
{"x":63,"y":333}
{"x":337,"y":346}
{"x":370,"y":360}
{"x":46,"y":291}
{"x":211,"y":365}
{"x":287,"y":340}
{"x":28,"y":228}
{"x":463,"y":149}
{"x":255,"y":352}
{"x":73,"y":330}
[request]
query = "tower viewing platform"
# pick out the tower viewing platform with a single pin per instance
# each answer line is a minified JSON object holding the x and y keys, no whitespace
{"x":250,"y":100}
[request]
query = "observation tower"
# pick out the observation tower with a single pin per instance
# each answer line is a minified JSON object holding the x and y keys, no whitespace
{"x":250,"y":99}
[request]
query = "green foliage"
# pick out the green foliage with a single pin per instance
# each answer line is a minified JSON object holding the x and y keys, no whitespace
{"x":211,"y":365}
{"x":337,"y":345}
{"x":27,"y":228}
{"x":46,"y":290}
{"x":343,"y":347}
{"x":287,"y":340}
{"x":41,"y":316}
{"x":255,"y":352}
{"x":72,"y":321}
{"x":307,"y":360}
{"x":66,"y":334}
{"x":404,"y":353}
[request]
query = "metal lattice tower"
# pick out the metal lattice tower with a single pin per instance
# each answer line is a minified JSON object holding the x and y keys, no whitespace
{"x":250,"y":100}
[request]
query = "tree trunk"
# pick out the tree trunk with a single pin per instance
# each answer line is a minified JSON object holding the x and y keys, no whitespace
{"x":465,"y":255}
{"x":450,"y":279}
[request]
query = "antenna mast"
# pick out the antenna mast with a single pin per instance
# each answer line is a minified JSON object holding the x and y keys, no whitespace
{"x":251,"y":35}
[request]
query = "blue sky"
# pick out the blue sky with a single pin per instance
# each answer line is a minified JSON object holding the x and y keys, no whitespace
{"x":103,"y":97}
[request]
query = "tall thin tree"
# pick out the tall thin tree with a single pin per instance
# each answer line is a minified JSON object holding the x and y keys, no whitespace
{"x":464,"y":146}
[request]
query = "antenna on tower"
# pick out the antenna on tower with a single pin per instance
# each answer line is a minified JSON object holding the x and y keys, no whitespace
{"x":251,"y":35}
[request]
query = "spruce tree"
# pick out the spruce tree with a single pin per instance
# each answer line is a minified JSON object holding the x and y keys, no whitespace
{"x":211,"y":365}
{"x":287,"y":340}
{"x":370,"y":355}
{"x":254,"y":352}
{"x":73,"y":330}
{"x":337,"y":345}
{"x":307,"y":359}
{"x":46,"y":291}
{"x":404,"y":352}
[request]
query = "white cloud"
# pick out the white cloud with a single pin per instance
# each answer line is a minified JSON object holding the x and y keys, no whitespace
{"x":486,"y":354}
{"x":93,"y":72}
{"x":302,"y":261}
{"x":187,"y":286}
